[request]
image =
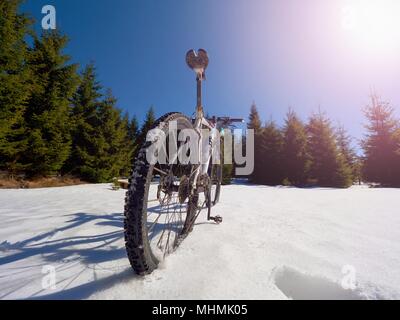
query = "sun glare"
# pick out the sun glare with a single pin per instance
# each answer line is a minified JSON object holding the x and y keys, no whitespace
{"x":373,"y":23}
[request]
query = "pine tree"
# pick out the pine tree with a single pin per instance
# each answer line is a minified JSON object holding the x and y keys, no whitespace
{"x":344,"y":140}
{"x":358,"y":169}
{"x":131,"y":126}
{"x":294,"y":154}
{"x":102,"y":148}
{"x":396,"y":165}
{"x":14,"y":85}
{"x":254,"y":123}
{"x":147,"y":125}
{"x":149,"y":121}
{"x":226,"y":167}
{"x":133,"y":129}
{"x":84,"y":122}
{"x":133,"y":136}
{"x":271,"y":143}
{"x":102,"y":153}
{"x":254,"y":119}
{"x":380,"y":145}
{"x":227,"y":174}
{"x":113,"y":153}
{"x":47,"y":117}
{"x":344,"y":174}
{"x":328,"y":166}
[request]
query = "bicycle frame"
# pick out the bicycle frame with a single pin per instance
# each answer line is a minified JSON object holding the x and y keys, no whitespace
{"x":199,"y":62}
{"x":199,"y":124}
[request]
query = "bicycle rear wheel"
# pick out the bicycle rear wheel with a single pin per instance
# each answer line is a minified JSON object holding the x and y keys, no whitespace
{"x":158,"y":205}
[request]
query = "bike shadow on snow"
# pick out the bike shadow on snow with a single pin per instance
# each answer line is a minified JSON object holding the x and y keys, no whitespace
{"x":61,"y":248}
{"x":87,"y":250}
{"x":85,"y":290}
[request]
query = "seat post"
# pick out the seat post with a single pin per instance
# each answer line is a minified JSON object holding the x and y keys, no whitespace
{"x":198,"y":62}
{"x":199,"y":93}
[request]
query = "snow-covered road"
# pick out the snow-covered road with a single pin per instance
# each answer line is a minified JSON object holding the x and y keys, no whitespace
{"x":275,"y":243}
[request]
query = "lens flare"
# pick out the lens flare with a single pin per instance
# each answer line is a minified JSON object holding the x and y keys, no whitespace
{"x":373,"y":23}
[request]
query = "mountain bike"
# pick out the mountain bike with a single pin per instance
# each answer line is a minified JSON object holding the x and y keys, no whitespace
{"x":164,"y":199}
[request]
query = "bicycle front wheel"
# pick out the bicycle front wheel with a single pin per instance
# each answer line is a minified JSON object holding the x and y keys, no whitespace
{"x":158,"y":205}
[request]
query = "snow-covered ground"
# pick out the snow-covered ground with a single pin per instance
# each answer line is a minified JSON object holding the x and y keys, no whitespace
{"x":275,"y":243}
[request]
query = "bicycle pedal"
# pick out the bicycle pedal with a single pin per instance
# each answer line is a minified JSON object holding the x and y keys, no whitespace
{"x":217,"y":219}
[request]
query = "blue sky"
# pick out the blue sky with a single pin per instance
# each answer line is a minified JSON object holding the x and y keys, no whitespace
{"x":276,"y":53}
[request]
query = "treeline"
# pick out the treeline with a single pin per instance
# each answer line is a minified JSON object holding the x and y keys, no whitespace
{"x":316,"y":153}
{"x":54,"y":120}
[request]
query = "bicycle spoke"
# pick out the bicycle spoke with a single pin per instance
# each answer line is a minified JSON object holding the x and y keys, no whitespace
{"x":154,"y":223}
{"x":167,"y":228}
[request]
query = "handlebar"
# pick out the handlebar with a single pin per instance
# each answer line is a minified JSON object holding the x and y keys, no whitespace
{"x":225,"y":120}
{"x":222,"y":122}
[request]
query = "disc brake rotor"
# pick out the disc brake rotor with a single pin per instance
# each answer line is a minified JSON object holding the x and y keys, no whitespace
{"x":165,"y":189}
{"x":184,"y":189}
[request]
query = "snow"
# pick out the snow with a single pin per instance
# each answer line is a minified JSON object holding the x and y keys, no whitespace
{"x":274,"y":243}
